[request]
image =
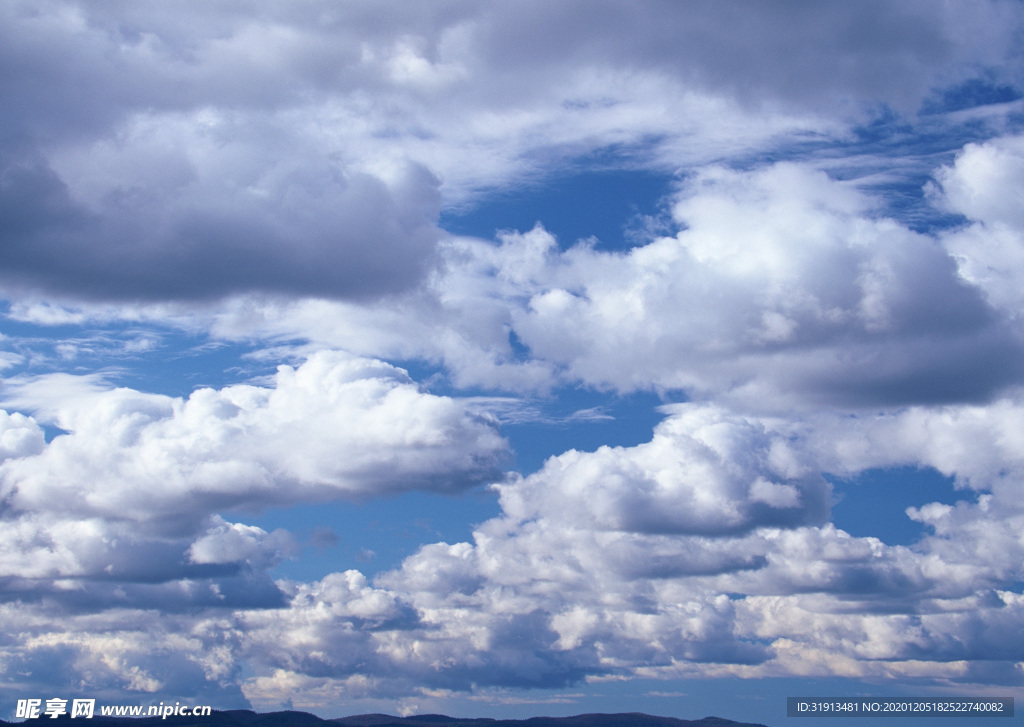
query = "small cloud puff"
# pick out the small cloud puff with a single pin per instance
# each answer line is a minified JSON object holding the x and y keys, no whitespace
{"x":705,"y":472}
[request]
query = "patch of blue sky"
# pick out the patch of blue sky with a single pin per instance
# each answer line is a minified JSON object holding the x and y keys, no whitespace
{"x":983,"y":90}
{"x":190,"y":362}
{"x":372,"y":536}
{"x":606,"y":206}
{"x":894,"y":156}
{"x":582,"y":419}
{"x":154,"y":359}
{"x":568,"y":417}
{"x":874,"y":502}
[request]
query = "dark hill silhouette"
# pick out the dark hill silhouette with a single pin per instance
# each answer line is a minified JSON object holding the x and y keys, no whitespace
{"x":247,"y":718}
{"x":629,"y":719}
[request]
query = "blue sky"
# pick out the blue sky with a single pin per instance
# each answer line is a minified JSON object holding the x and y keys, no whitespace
{"x":508,"y":360}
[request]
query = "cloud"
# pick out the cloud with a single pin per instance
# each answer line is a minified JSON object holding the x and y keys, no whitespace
{"x":120,"y":511}
{"x":702,"y":473}
{"x":782,"y":288}
{"x":19,"y":436}
{"x":804,"y":55}
{"x":336,"y":426}
{"x":585,"y":593}
{"x":584,"y":575}
{"x":307,"y":151}
{"x":235,"y":543}
{"x":781,"y":283}
{"x":989,"y":248}
{"x":121,"y":651}
{"x":277,"y":224}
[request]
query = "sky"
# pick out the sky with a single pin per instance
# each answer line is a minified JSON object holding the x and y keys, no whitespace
{"x":511,"y":359}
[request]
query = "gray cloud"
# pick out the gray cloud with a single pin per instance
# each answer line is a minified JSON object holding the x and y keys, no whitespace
{"x":312,"y":232}
{"x":808,"y":54}
{"x":297,"y":150}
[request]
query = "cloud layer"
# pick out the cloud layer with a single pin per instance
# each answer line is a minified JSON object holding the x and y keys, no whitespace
{"x":277,"y":176}
{"x":300,"y":149}
{"x":614,"y":575}
{"x":781,"y":288}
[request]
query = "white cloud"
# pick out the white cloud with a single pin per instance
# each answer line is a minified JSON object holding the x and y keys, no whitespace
{"x":982,"y":185}
{"x":782,"y":285}
{"x":782,"y":288}
{"x":594,"y":568}
{"x":130,"y":493}
{"x":973,"y":443}
{"x":236,"y":543}
{"x":550,"y":591}
{"x":20,"y":436}
{"x":704,"y":472}
{"x":337,"y":426}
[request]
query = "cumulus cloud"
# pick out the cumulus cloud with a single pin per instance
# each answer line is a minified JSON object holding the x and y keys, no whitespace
{"x":981,"y":185}
{"x":781,"y":283}
{"x":702,"y":473}
{"x":129,"y":494}
{"x":781,"y":288}
{"x":550,"y":590}
{"x":336,"y":426}
{"x":20,"y":436}
{"x":236,"y":543}
{"x":704,"y":551}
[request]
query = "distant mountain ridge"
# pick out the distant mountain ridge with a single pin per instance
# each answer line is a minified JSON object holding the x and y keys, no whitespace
{"x":628,"y":719}
{"x":247,"y":718}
